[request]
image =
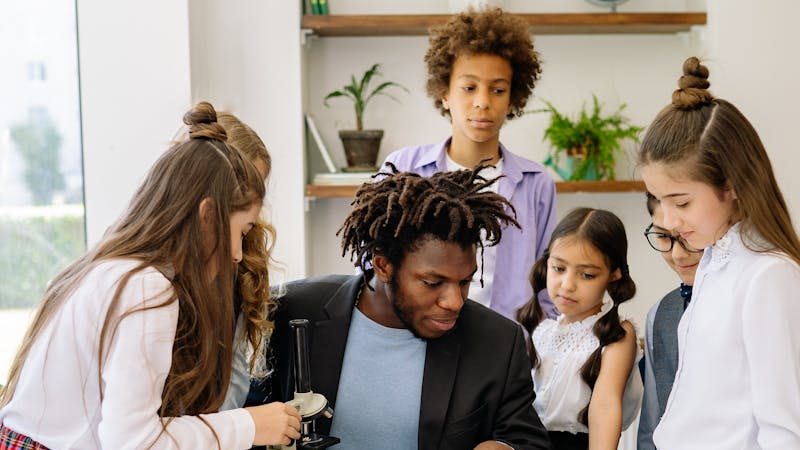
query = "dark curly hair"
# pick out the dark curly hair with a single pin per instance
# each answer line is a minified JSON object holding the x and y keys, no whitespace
{"x":487,"y":31}
{"x":606,"y":233}
{"x":394,"y":215}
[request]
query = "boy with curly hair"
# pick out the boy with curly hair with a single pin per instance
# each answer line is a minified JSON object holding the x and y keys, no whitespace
{"x":481,"y":71}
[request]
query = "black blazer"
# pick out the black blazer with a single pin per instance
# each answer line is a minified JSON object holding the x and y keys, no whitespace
{"x":477,"y":379}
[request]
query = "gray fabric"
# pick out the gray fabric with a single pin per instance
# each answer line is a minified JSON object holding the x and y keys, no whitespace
{"x":380,"y":387}
{"x":665,"y":345}
{"x":240,"y":371}
{"x":661,"y":362}
{"x":648,"y":419}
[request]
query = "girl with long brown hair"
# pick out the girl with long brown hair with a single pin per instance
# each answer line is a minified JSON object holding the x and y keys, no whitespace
{"x":132,"y":344}
{"x":586,"y":390}
{"x":738,"y":379}
{"x":253,"y":304}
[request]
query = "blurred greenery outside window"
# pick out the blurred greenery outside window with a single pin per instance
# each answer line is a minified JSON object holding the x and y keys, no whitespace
{"x":42,"y":221}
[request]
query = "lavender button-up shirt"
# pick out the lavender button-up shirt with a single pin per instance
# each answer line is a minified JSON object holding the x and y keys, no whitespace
{"x":532,"y":192}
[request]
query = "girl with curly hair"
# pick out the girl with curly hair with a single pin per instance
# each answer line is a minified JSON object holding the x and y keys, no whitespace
{"x":253,"y":303}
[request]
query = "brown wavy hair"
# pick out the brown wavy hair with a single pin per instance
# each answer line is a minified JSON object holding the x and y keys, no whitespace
{"x":709,"y":140}
{"x":162,"y":228}
{"x":605,"y":231}
{"x":486,"y":31}
{"x":253,"y":287}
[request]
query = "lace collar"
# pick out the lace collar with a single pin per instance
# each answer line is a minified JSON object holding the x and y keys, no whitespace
{"x":718,"y":255}
{"x":587,"y":322}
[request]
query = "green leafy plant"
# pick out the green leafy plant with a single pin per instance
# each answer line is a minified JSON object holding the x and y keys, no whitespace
{"x":592,"y":140}
{"x":358,"y":91}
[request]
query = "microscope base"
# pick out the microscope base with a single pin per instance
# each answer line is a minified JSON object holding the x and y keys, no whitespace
{"x":316,"y":441}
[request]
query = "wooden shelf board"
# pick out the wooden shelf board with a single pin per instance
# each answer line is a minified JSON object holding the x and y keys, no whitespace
{"x":562,"y":187}
{"x":562,"y":23}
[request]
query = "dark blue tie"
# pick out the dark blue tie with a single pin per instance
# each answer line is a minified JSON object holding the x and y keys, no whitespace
{"x":686,"y":293}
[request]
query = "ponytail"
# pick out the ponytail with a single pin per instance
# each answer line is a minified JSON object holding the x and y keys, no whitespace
{"x":606,"y":233}
{"x":531,"y":314}
{"x":608,"y":330}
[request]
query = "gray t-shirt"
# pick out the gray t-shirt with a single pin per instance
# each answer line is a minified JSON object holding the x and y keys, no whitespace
{"x":377,"y":405}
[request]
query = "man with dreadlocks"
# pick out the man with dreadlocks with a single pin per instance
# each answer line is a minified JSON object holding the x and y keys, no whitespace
{"x":406,"y":360}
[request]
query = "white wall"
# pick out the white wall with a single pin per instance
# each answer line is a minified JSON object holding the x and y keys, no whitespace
{"x":138,"y":76}
{"x":640,"y":70}
{"x":134,"y":68}
{"x":753,"y":63}
{"x":246,"y":59}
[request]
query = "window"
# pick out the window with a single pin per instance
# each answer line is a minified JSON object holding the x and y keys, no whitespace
{"x":36,"y":71}
{"x":41,"y":179}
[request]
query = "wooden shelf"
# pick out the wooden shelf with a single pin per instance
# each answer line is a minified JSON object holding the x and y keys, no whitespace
{"x":562,"y":187}
{"x":565,"y":187}
{"x":566,"y":23}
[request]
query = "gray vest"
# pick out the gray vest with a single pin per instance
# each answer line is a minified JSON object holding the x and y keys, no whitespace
{"x":665,"y":345}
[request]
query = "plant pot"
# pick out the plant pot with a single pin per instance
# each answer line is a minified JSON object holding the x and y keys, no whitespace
{"x":575,"y":162}
{"x":361,"y":148}
{"x":576,"y":167}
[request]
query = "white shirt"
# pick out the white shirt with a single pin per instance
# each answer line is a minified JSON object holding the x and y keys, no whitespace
{"x":738,"y":379}
{"x":561,"y":393}
{"x":483,"y":295}
{"x":57,"y":399}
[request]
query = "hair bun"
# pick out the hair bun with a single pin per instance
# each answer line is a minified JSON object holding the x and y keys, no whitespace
{"x":693,"y":86}
{"x":202,"y":122}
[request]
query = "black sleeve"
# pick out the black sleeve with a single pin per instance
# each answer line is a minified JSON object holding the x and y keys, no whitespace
{"x":272,"y":388}
{"x":517,"y":423}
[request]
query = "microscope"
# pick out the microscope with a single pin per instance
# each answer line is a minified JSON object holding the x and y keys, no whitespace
{"x":311,"y":406}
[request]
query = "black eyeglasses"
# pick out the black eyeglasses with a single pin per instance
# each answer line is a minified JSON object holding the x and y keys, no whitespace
{"x":663,"y":242}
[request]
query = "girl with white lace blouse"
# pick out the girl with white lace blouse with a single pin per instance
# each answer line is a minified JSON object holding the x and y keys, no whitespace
{"x":586,"y":390}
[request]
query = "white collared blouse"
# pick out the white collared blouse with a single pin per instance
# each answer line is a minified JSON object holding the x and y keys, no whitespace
{"x":738,"y":380}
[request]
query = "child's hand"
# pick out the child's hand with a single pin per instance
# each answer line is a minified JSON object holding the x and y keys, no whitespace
{"x":276,"y":423}
{"x":492,"y":445}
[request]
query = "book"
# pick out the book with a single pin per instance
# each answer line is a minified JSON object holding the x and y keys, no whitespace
{"x":343,"y":178}
{"x":326,"y":157}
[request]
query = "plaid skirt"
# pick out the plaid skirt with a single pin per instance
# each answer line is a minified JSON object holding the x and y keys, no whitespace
{"x":11,"y":440}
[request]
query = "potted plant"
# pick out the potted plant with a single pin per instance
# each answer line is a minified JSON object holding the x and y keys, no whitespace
{"x":361,"y":146}
{"x":590,"y":142}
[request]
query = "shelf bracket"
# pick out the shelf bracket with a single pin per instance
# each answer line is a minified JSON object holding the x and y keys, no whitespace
{"x":305,"y":35}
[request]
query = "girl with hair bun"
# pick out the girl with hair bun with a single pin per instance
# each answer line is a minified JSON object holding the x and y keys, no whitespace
{"x":738,"y":379}
{"x":132,"y":344}
{"x":586,"y":391}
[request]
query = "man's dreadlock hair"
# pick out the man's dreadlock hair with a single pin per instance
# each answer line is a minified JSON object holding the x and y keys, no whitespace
{"x":392,"y":215}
